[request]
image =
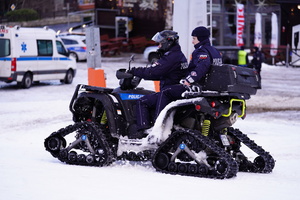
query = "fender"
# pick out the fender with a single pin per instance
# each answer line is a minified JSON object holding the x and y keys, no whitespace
{"x":164,"y":122}
{"x":104,"y":97}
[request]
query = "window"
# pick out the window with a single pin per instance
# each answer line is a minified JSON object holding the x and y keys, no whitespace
{"x":60,"y":48}
{"x":45,"y":47}
{"x":5,"y":47}
{"x":68,"y":41}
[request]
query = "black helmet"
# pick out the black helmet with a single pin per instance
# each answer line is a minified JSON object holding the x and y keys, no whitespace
{"x":166,"y":38}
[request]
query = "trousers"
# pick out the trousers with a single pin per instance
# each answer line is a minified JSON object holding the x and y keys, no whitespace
{"x":149,"y":107}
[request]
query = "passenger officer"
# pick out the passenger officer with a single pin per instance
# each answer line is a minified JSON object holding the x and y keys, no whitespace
{"x":203,"y":57}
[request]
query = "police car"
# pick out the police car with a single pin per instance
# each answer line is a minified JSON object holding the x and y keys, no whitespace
{"x":76,"y":45}
{"x":150,"y":54}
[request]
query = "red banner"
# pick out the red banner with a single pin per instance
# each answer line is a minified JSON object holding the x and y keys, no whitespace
{"x":240,"y":23}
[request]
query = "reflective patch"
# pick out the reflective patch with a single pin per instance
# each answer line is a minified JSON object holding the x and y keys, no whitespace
{"x":184,"y":65}
{"x":190,"y":79}
{"x":217,"y":61}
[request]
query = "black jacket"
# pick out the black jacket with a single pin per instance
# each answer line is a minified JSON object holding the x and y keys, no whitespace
{"x":203,"y":56}
{"x":169,"y":69}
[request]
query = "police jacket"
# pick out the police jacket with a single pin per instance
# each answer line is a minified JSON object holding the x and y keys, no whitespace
{"x":169,"y":69}
{"x":203,"y":57}
{"x":257,"y":59}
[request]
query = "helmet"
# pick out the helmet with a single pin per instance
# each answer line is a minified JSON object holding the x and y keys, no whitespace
{"x":166,"y":38}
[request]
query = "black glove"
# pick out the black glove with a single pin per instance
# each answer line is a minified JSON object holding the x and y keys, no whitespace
{"x":131,"y":71}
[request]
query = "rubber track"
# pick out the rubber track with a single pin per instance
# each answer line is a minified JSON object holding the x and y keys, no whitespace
{"x":268,"y":159}
{"x":89,"y":127}
{"x":231,"y":163}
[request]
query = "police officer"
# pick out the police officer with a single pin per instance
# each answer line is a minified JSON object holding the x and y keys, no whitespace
{"x":257,"y":61}
{"x":203,"y":57}
{"x":169,"y":69}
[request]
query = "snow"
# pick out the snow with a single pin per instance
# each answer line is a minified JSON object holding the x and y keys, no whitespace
{"x":29,"y":172}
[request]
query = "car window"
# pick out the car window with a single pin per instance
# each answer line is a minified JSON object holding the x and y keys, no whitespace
{"x":5,"y":47}
{"x":60,"y":48}
{"x":45,"y":47}
{"x":68,"y":41}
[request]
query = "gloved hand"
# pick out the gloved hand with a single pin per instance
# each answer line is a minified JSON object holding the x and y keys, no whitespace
{"x":192,"y":90}
{"x":131,"y":71}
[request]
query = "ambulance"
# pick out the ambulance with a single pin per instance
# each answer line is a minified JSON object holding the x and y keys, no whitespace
{"x":30,"y":55}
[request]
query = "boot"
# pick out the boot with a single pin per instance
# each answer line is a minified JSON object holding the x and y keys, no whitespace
{"x":134,"y":133}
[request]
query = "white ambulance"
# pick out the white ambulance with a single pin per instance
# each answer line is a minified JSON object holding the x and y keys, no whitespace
{"x":33,"y":54}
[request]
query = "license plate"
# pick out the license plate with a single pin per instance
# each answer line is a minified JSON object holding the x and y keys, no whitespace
{"x":224,"y":140}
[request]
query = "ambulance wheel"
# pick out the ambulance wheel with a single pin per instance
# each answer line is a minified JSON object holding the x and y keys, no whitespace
{"x":26,"y":81}
{"x":69,"y":77}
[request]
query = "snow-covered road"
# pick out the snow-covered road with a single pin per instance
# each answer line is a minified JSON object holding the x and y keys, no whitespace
{"x":28,"y":172}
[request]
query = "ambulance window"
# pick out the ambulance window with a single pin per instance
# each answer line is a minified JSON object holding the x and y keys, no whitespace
{"x":45,"y":47}
{"x":60,"y":48}
{"x":5,"y":47}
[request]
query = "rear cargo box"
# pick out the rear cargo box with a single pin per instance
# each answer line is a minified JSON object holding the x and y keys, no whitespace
{"x":231,"y":78}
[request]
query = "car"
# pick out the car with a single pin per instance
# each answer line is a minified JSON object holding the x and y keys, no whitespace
{"x":76,"y":46}
{"x":150,"y":54}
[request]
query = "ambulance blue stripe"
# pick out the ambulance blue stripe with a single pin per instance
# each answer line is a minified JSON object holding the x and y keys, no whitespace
{"x":41,"y":58}
{"x":6,"y":59}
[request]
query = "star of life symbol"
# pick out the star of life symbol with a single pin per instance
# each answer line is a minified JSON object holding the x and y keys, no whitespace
{"x":23,"y":45}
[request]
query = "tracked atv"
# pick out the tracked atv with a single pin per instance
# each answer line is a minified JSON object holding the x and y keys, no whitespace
{"x":192,"y":136}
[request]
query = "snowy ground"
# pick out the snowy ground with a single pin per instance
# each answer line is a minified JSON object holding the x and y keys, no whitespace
{"x":28,"y":172}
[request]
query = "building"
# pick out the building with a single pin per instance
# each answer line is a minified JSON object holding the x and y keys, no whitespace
{"x":45,"y":8}
{"x":151,"y":16}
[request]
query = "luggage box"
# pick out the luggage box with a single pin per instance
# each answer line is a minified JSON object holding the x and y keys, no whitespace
{"x":232,"y":79}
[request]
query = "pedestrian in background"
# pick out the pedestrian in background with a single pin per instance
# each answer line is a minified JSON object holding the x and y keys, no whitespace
{"x":243,"y":57}
{"x":257,"y":61}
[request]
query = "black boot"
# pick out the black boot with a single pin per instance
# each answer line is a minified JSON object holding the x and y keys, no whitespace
{"x":137,"y":135}
{"x":134,"y":133}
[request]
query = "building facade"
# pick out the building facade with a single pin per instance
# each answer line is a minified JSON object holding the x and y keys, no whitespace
{"x":151,"y":16}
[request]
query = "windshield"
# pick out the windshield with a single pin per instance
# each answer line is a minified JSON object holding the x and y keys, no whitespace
{"x":4,"y":47}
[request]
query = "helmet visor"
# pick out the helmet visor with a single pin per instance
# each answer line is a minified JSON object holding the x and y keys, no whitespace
{"x":158,"y":38}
